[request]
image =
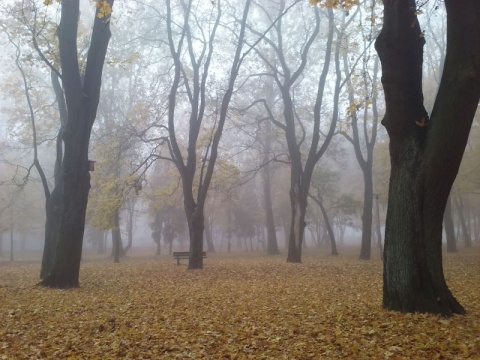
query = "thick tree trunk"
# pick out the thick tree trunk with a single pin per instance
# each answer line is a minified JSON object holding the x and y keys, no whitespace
{"x":82,"y":99}
{"x":425,"y":153}
{"x":54,"y":202}
{"x":367,"y":216}
{"x":449,"y":227}
{"x":52,"y":225}
{"x":196,"y":225}
{"x":297,"y":225}
{"x":66,"y":268}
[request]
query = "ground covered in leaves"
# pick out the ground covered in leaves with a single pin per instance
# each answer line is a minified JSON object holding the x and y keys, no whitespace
{"x":237,"y":307}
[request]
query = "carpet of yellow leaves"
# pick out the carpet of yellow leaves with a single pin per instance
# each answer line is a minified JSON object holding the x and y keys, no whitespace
{"x":236,"y":308}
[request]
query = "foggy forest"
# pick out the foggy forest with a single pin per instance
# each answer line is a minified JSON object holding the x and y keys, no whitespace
{"x":254,"y":179}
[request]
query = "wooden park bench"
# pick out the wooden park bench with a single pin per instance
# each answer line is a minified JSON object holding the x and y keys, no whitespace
{"x":184,"y":255}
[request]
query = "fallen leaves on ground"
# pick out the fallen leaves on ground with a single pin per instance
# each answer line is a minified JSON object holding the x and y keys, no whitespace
{"x":235,"y":308}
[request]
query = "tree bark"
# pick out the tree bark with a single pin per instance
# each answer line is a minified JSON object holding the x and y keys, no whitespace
{"x":297,"y":223}
{"x":54,"y":201}
{"x":82,"y":99}
{"x":52,"y":225}
{"x":425,"y":153}
{"x":195,"y":220}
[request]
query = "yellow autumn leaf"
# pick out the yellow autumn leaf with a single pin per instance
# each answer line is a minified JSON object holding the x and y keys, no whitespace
{"x":104,"y":9}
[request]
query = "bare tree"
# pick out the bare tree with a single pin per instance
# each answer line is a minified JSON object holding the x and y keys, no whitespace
{"x":195,"y":185}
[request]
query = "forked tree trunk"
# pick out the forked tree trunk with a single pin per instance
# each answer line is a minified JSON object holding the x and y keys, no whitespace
{"x":425,"y":153}
{"x":328,"y":227}
{"x":54,"y":202}
{"x":82,"y":97}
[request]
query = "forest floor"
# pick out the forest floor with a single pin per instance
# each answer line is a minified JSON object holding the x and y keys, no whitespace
{"x":240,"y":306}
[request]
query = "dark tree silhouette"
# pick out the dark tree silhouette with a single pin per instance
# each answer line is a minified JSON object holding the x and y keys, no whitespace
{"x":82,"y":93}
{"x":425,"y":151}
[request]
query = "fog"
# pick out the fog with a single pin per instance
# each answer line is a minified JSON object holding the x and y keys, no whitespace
{"x":295,"y":95}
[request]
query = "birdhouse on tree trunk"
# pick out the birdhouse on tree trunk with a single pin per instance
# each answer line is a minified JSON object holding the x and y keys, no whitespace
{"x":91,"y":165}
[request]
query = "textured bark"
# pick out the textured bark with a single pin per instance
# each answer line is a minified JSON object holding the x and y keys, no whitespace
{"x":195,"y":221}
{"x":52,"y":225}
{"x":297,"y":224}
{"x":425,"y":152}
{"x":54,"y":201}
{"x":82,"y":99}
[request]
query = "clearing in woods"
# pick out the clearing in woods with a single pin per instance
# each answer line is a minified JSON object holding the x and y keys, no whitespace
{"x":238,"y":307}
